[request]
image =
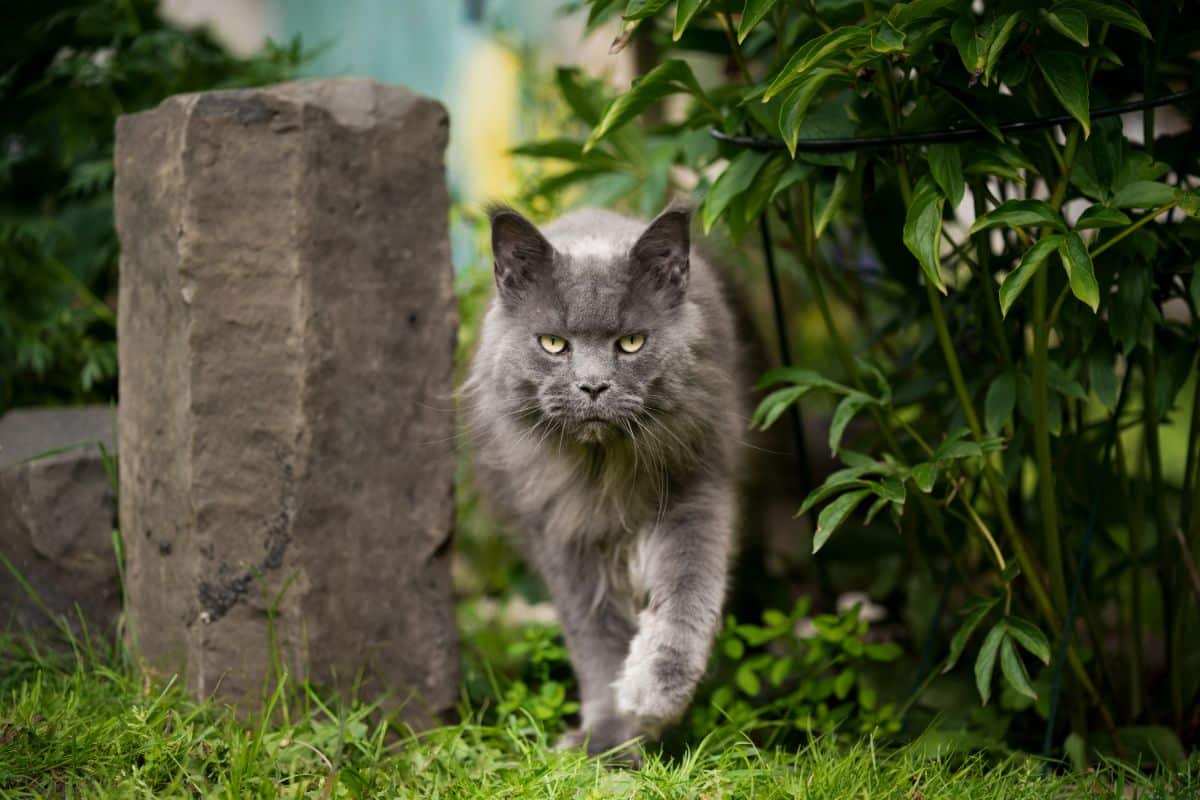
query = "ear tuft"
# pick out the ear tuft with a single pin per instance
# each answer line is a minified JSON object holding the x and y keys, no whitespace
{"x":520,"y":253}
{"x":661,"y":254}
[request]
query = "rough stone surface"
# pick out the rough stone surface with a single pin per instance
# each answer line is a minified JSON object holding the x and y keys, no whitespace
{"x":56,"y":518}
{"x":287,"y":326}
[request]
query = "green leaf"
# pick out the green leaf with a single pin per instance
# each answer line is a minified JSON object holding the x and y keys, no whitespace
{"x":796,"y":172}
{"x":1080,"y":273}
{"x":945,"y":163}
{"x":599,"y":11}
{"x":1189,"y":202}
{"x":765,"y":186}
{"x":963,"y":635}
{"x":1020,"y":214}
{"x":999,"y":402}
{"x":903,"y":14}
{"x":1014,"y":669}
{"x":1143,"y":194}
{"x":781,"y":669}
{"x":828,"y":489}
{"x":1195,"y":286}
{"x":794,"y":109}
{"x":733,"y":181}
{"x":1070,"y":22}
{"x":850,"y":405}
{"x":843,"y":683}
{"x":670,"y":77}
{"x":925,"y":475}
{"x":970,"y":45}
{"x":1058,"y":380}
{"x":1155,"y":743}
{"x":684,"y":11}
{"x":1002,"y":32}
{"x":826,"y":210}
{"x":734,"y":648}
{"x":923,"y":230}
{"x":834,"y":514}
{"x":883,"y":651}
{"x":1099,"y":216}
{"x":811,"y":53}
{"x":891,"y":489}
{"x":773,"y":405}
{"x":563,"y":149}
{"x":886,"y":37}
{"x":1015,"y":281}
{"x":752,"y":14}
{"x":641,"y":9}
{"x":985,"y":662}
{"x":1114,"y":13}
{"x":1067,"y":78}
{"x":1102,"y":375}
{"x":581,"y":95}
{"x":879,"y":505}
{"x":801,"y":377}
{"x":1030,"y":637}
{"x":747,"y":681}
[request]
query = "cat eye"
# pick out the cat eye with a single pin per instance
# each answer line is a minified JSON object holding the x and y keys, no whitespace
{"x":552,"y":344}
{"x":631,"y":343}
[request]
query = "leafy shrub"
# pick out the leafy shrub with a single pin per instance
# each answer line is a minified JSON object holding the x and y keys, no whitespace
{"x":773,"y":676}
{"x":1016,"y":311}
{"x":68,"y":68}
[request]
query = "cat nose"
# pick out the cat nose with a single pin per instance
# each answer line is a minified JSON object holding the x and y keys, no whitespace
{"x":592,"y":390}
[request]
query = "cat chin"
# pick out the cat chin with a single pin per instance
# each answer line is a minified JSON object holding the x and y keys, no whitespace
{"x":595,"y":431}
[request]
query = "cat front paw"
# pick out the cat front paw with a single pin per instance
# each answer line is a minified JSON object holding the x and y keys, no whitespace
{"x":656,"y":685}
{"x":615,"y":737}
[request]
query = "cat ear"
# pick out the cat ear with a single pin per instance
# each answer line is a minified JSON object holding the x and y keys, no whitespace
{"x":660,"y":255}
{"x":519,"y":250}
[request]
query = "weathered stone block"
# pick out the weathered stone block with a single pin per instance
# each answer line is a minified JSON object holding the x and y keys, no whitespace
{"x":287,"y":325}
{"x":56,"y":518}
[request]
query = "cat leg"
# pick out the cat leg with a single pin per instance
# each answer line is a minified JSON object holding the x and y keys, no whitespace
{"x":684,"y":568}
{"x":598,"y":637}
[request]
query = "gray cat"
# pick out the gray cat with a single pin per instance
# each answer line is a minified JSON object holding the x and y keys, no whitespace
{"x":606,"y":402}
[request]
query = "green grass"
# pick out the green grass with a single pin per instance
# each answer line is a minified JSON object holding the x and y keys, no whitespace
{"x":89,"y":726}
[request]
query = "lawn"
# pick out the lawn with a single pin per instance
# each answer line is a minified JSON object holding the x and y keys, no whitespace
{"x":86,"y":724}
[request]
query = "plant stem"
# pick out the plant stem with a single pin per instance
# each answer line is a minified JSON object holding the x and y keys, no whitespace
{"x":992,"y":476}
{"x":1047,"y":501}
{"x":1134,"y":513}
{"x":991,"y":299}
{"x":734,"y":48}
{"x":800,"y":226}
{"x":1150,"y":216}
{"x":1166,"y":564}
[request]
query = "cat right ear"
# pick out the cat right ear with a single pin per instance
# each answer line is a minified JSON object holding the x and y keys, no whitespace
{"x":520,"y":253}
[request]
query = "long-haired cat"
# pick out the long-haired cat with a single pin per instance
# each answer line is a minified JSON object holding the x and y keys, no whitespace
{"x":607,"y":400}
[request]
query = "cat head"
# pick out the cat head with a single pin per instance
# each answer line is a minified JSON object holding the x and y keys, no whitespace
{"x":593,"y":329}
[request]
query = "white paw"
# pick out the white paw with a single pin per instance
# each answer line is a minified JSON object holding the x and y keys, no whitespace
{"x":656,"y":684}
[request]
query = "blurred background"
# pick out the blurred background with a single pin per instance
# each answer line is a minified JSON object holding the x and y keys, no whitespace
{"x":440,"y":48}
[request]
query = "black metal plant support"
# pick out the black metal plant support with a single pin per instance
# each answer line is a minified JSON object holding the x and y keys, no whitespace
{"x":943,"y":136}
{"x":785,"y":355}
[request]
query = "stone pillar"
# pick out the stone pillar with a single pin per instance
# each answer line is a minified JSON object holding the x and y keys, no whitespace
{"x":286,"y":331}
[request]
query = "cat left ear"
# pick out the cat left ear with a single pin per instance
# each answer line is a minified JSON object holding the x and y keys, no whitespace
{"x":520,"y":251}
{"x":661,"y":253}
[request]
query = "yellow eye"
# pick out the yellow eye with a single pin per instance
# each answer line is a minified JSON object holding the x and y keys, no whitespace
{"x":552,"y":344}
{"x":631,"y":343}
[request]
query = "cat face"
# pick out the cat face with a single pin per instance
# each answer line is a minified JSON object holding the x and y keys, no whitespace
{"x":590,"y":334}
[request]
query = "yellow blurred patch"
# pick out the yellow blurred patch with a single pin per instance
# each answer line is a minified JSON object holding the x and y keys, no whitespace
{"x":486,"y":123}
